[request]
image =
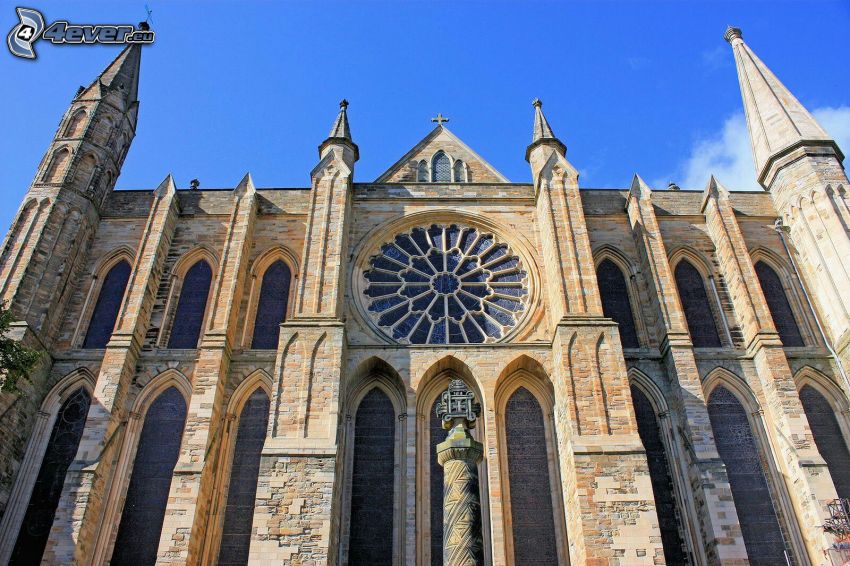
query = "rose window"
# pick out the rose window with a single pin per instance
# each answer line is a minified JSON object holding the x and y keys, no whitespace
{"x":445,"y":285}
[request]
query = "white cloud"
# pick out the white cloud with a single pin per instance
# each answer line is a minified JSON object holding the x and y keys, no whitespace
{"x":727,"y":154}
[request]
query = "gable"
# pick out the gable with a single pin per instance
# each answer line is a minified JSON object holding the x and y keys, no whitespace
{"x":441,"y":139}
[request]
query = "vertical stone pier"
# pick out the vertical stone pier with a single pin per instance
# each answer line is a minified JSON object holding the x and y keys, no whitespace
{"x":459,"y":456}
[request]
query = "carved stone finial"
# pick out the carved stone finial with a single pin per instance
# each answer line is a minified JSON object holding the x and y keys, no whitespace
{"x":343,"y":103}
{"x":194,"y":184}
{"x":458,"y":402}
{"x":537,"y":103}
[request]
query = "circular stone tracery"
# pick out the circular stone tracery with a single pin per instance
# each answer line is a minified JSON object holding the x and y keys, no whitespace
{"x":445,"y":284}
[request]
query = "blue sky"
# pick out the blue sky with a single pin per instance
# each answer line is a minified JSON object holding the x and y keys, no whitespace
{"x":629,"y":87}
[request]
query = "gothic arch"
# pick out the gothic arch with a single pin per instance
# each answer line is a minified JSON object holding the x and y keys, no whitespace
{"x":767,"y":455}
{"x":525,"y":373}
{"x":98,"y":274}
{"x":792,"y":289}
{"x":102,"y":130}
{"x":258,"y":270}
{"x":34,"y":453}
{"x":75,"y":122}
{"x":826,"y":386}
{"x":178,"y":275}
{"x":432,"y":383}
{"x":834,"y":440}
{"x":375,"y":373}
{"x":86,"y":169}
{"x":701,"y":264}
{"x":58,"y":165}
{"x":629,"y":271}
{"x":115,"y":497}
{"x":668,"y":428}
{"x":258,"y":379}
{"x":440,"y":153}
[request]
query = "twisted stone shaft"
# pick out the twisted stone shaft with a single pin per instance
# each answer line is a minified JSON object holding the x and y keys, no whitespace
{"x":462,"y":544}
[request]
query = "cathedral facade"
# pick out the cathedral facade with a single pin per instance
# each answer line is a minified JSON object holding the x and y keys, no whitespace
{"x":250,"y":375}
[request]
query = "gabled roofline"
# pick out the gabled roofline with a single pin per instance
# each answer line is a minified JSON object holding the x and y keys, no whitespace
{"x":431,"y":135}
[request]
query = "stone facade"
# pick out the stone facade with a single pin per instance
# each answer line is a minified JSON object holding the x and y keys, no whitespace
{"x":555,"y":341}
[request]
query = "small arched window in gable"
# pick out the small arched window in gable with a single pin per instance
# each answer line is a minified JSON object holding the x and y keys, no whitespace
{"x":777,"y":303}
{"x":271,"y":308}
{"x":108,"y":303}
{"x":60,"y":452}
{"x":459,"y":172}
{"x":57,"y":166}
{"x":441,"y":168}
{"x":697,"y":309}
{"x":75,"y":125}
{"x":422,"y":172}
{"x":615,"y":301}
{"x":189,"y":316}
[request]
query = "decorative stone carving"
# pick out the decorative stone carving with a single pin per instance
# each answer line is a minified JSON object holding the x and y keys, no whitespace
{"x":459,"y":455}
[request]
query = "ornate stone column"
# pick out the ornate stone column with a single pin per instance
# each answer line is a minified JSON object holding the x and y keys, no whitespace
{"x":459,"y":455}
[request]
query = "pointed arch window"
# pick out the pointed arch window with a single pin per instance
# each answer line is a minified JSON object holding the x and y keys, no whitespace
{"x":459,"y":171}
{"x":615,"y":301}
{"x":441,"y":168}
{"x":108,"y":304}
{"x":532,"y":514}
{"x":57,"y":166}
{"x":436,"y":435}
{"x":698,"y":312}
{"x":828,"y":438}
{"x":271,"y":308}
{"x":242,"y":490}
{"x":739,"y":451}
{"x":61,"y":449}
{"x":75,"y":124}
{"x":777,"y":303}
{"x":191,"y":307}
{"x":373,"y":481}
{"x":422,"y":172}
{"x":669,"y":518}
{"x":153,"y":467}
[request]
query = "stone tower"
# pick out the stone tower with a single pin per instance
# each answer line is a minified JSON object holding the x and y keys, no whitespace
{"x":46,"y":248}
{"x":800,"y":165}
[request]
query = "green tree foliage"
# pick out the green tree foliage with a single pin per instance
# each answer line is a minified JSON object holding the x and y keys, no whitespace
{"x":16,"y":361}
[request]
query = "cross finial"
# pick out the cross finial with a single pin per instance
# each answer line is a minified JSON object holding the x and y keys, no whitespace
{"x":439,"y":118}
{"x":536,"y":103}
{"x":343,"y":103}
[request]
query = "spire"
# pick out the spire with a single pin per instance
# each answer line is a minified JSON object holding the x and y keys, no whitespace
{"x":543,"y":133}
{"x":340,"y":131}
{"x":340,"y":128}
{"x":121,"y":75}
{"x":776,"y":120}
